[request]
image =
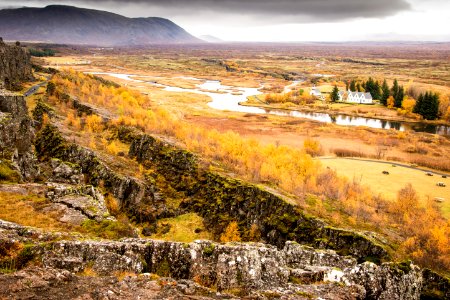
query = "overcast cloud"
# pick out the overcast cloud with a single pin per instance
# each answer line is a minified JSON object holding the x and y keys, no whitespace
{"x":272,"y":10}
{"x":286,"y":20}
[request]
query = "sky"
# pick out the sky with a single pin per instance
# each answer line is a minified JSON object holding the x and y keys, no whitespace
{"x":287,"y":20}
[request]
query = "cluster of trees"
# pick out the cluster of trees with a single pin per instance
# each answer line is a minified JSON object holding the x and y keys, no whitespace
{"x":427,"y":105}
{"x":296,"y":97}
{"x":42,"y":53}
{"x":398,"y":93}
{"x":378,"y":91}
{"x":290,"y":169}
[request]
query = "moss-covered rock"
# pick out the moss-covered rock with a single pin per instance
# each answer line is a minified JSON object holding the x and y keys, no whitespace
{"x":136,"y":197}
{"x":220,"y":199}
{"x":435,"y":286}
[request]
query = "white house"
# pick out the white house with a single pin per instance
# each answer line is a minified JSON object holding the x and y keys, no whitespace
{"x":359,"y":97}
{"x":341,"y":95}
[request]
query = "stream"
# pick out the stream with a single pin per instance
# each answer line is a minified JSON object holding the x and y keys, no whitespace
{"x":228,"y":98}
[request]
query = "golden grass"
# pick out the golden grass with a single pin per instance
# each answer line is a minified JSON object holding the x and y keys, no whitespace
{"x":183,"y":229}
{"x":370,"y":174}
{"x":21,"y":209}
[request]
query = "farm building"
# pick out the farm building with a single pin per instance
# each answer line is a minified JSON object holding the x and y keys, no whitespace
{"x":359,"y":97}
{"x":355,"y":97}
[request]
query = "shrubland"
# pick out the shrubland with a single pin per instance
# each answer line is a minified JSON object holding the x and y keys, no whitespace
{"x":415,"y":226}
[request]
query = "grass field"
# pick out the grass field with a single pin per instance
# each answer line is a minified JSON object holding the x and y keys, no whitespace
{"x":370,"y":173}
{"x":182,"y":229}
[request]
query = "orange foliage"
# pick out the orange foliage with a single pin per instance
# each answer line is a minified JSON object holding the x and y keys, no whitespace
{"x":290,"y":169}
{"x":231,"y":233}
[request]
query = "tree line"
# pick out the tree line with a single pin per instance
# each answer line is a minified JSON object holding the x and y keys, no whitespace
{"x":427,"y":105}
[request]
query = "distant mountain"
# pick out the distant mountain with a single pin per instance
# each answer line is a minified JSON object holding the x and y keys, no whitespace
{"x":73,"y":25}
{"x":211,"y":39}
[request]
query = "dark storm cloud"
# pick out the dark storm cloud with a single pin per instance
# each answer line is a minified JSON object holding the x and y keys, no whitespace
{"x":287,"y":10}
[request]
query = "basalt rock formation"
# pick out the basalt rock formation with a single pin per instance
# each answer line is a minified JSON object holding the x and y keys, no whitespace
{"x":16,"y":135}
{"x":15,"y":65}
{"x":252,"y":269}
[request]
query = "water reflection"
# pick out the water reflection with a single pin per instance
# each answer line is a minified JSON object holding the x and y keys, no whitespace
{"x":229,"y":98}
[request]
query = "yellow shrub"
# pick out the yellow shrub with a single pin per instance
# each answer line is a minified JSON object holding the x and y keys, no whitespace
{"x":231,"y":233}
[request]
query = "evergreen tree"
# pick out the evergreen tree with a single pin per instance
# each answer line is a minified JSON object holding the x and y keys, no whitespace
{"x":385,"y":93}
{"x":418,"y":108}
{"x":427,"y":106}
{"x":353,"y":86}
{"x":347,"y":86}
{"x":372,"y":87}
{"x":399,"y":97}
{"x":334,"y":96}
{"x":376,"y":93}
{"x":395,"y":89}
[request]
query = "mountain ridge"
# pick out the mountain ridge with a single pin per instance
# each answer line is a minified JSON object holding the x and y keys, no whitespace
{"x":74,"y":25}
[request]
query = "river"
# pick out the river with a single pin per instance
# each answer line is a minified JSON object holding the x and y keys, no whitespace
{"x":228,"y":98}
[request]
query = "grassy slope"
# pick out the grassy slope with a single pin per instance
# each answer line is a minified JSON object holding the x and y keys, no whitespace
{"x":370,"y":173}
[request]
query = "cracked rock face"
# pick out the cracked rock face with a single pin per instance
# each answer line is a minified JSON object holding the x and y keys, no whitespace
{"x":16,"y":135}
{"x":64,"y":172}
{"x":250,"y":267}
{"x":15,"y":65}
{"x":257,"y":270}
{"x":78,"y":203}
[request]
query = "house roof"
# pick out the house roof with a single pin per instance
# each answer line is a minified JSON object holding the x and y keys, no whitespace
{"x":368,"y":95}
{"x":360,"y":94}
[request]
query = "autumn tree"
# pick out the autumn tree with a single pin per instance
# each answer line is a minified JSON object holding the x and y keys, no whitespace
{"x":408,"y":104}
{"x":407,"y":204}
{"x":94,"y":123}
{"x":390,"y":102}
{"x":231,"y":233}
{"x":51,"y":88}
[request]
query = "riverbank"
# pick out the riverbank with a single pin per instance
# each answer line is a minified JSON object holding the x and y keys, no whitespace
{"x":352,"y":118}
{"x":255,"y":101}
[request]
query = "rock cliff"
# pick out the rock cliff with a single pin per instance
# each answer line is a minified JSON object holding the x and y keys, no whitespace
{"x":15,"y":65}
{"x":250,"y":268}
{"x":16,"y":135}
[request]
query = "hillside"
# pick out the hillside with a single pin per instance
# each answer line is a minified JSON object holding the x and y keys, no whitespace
{"x":96,"y":193}
{"x":73,"y":25}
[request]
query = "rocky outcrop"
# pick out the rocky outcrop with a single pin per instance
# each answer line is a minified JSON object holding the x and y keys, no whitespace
{"x":220,"y":199}
{"x":77,"y":203}
{"x":249,"y":268}
{"x":56,"y":284}
{"x":15,"y":65}
{"x":16,"y":135}
{"x":435,"y":286}
{"x":136,"y":197}
{"x":64,"y":172}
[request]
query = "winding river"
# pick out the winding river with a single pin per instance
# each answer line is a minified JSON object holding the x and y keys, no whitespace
{"x":228,"y":98}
